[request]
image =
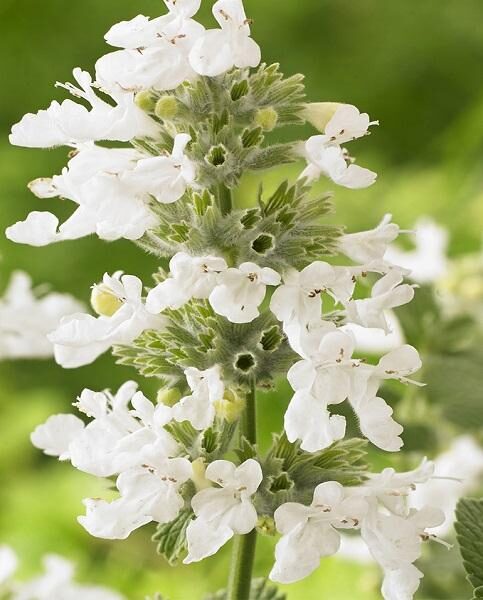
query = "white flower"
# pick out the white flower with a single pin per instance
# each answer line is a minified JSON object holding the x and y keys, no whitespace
{"x":310,"y":532}
{"x":428,"y":262}
{"x":57,"y":584}
{"x":26,"y":318}
{"x":8,"y":564}
{"x":107,"y":205}
{"x":191,"y":277}
{"x":300,"y":296}
{"x":199,"y":408}
{"x":71,"y":123}
{"x":155,"y":52}
{"x":81,"y":338}
{"x":398,"y":364}
{"x":219,"y":50}
{"x":166,"y":178}
{"x":331,"y":160}
{"x":115,"y":439}
{"x":348,"y":124}
{"x":368,"y":246}
{"x":464,"y":460}
{"x":395,"y":543}
{"x":221,"y":512}
{"x":148,"y":493}
{"x":241,"y":291}
{"x":319,"y":381}
{"x":329,"y":376}
{"x":388,"y":292}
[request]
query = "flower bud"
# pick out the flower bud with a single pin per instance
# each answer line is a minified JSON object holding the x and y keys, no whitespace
{"x":104,"y":302}
{"x":145,"y":100}
{"x":199,"y":470}
{"x":266,"y":118}
{"x":319,"y":114}
{"x":266,"y":525}
{"x":230,"y":407}
{"x":168,"y":397}
{"x":166,"y":108}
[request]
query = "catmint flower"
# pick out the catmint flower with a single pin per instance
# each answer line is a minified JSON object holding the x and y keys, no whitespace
{"x":200,"y":407}
{"x":331,"y":160}
{"x":223,"y":511}
{"x":108,"y":206}
{"x":190,"y":277}
{"x":148,"y":493}
{"x":310,"y":533}
{"x":218,"y":50}
{"x":26,"y":317}
{"x":389,"y":292}
{"x":300,"y":297}
{"x":241,"y":291}
{"x":366,"y":247}
{"x":428,"y":262}
{"x":71,"y":123}
{"x":340,"y":123}
{"x":56,"y":583}
{"x":166,"y":178}
{"x":115,"y":437}
{"x":155,"y":52}
{"x":81,"y":338}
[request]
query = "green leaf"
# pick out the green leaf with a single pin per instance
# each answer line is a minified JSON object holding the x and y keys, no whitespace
{"x":260,"y":590}
{"x":469,"y":530}
{"x":171,"y":537}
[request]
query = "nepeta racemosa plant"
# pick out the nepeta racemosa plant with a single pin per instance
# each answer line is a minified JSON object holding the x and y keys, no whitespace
{"x":249,"y":298}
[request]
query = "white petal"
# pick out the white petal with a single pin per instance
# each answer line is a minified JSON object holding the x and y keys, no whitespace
{"x":56,"y":434}
{"x":205,"y":540}
{"x":112,"y":521}
{"x":38,"y":229}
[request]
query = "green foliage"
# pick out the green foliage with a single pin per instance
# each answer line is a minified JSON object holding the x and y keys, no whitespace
{"x":283,"y":231}
{"x":197,"y":337}
{"x":171,"y":537}
{"x":469,"y":529}
{"x":260,"y":590}
{"x":291,"y":474}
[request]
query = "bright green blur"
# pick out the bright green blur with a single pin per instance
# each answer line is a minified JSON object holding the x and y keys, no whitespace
{"x":413,"y":64}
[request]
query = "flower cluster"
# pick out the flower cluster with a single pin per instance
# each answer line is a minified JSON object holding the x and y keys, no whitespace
{"x":247,"y":298}
{"x":56,"y":583}
{"x":28,"y":315}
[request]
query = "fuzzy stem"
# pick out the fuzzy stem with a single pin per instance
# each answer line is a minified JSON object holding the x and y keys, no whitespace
{"x":224,"y":199}
{"x":244,"y":546}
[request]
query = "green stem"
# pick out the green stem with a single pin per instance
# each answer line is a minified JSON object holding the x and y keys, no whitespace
{"x":244,"y":546}
{"x":224,"y":199}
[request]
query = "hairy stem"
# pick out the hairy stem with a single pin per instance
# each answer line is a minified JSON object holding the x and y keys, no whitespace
{"x":224,"y":199}
{"x":244,"y":546}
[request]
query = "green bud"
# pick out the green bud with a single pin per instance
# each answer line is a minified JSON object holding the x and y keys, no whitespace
{"x":104,"y":302}
{"x":168,"y":397}
{"x":166,"y":108}
{"x":145,"y":100}
{"x":230,"y":407}
{"x":199,"y":478}
{"x":266,"y":118}
{"x":319,"y":114}
{"x":266,"y":525}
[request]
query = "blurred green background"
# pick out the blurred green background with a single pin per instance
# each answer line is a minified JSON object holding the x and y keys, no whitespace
{"x":416,"y":65}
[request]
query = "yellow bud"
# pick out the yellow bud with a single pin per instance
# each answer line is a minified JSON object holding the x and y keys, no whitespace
{"x":199,"y":470}
{"x":104,"y":302}
{"x":145,"y":100}
{"x":230,"y":407}
{"x":266,"y":118}
{"x":168,"y":397}
{"x":319,"y":114}
{"x":266,"y":525}
{"x":166,"y":108}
